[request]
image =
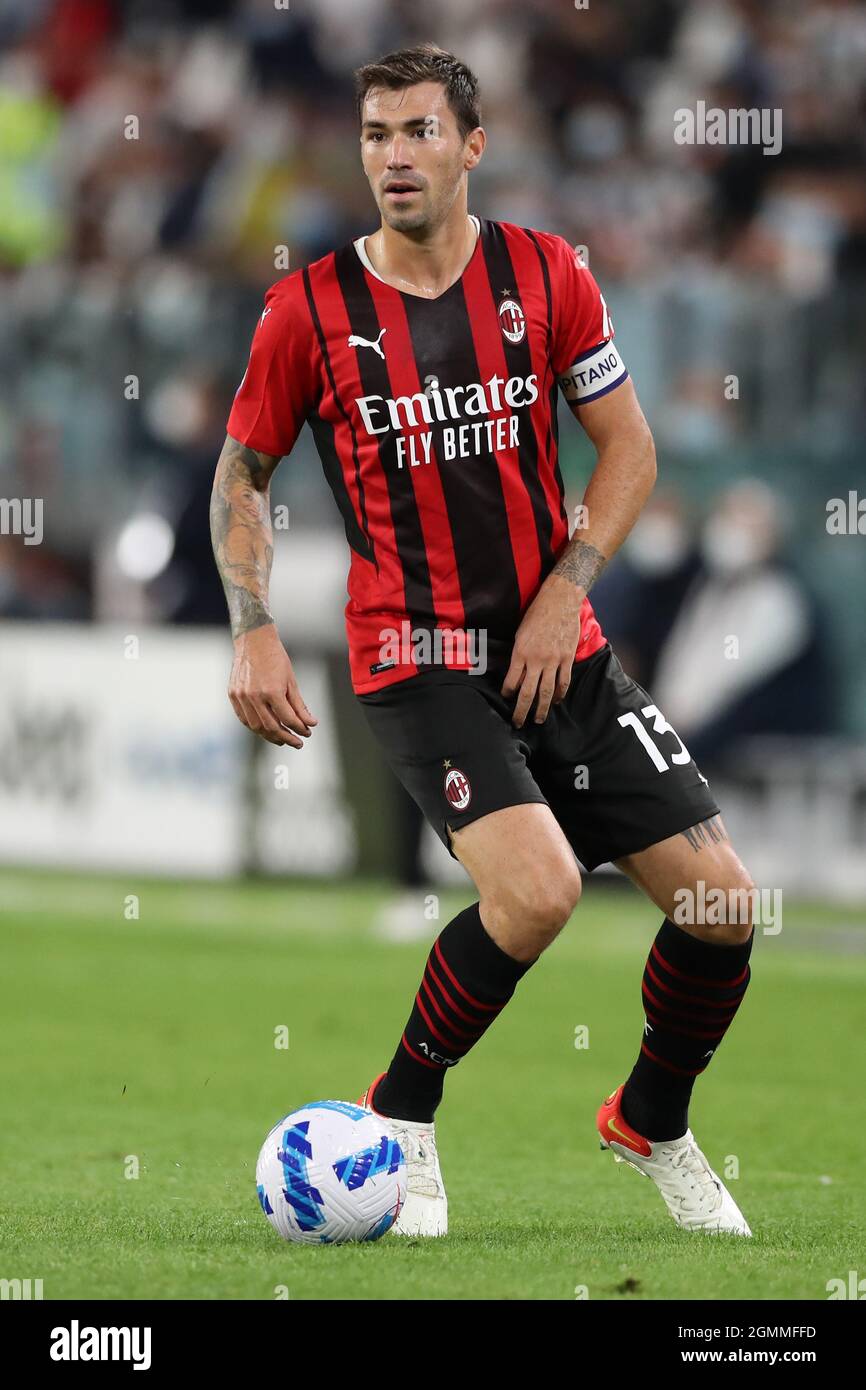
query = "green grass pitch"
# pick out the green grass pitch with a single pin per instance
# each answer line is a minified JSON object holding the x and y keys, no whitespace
{"x":154,"y":1038}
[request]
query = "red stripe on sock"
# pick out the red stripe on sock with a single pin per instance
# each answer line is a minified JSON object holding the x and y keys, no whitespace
{"x":660,"y":1021}
{"x":453,"y":1003}
{"x":692,"y":998}
{"x":425,"y":1061}
{"x":434,"y":1030}
{"x":697,"y":979}
{"x":458,"y":1032}
{"x":681,"y":1071}
{"x":664,"y":1008}
{"x":488,"y":1008}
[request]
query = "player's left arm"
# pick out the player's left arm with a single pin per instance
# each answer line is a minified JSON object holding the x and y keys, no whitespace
{"x":623,"y":478}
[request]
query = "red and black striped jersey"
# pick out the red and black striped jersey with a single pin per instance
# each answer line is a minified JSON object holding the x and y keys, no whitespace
{"x":435,"y":420}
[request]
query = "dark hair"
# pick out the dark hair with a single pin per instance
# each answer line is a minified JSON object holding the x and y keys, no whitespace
{"x":425,"y":63}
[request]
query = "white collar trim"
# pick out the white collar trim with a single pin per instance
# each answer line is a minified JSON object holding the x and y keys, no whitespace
{"x":361,"y":249}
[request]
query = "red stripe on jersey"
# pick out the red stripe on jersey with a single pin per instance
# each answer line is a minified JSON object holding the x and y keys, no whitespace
{"x":530,"y":284}
{"x":490,"y":354}
{"x":387,"y":588}
{"x":426,"y":482}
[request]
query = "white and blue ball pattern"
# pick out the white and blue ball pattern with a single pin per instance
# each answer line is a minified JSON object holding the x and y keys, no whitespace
{"x":330,"y":1172}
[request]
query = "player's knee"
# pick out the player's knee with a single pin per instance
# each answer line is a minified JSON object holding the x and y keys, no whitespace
{"x":742,"y":894}
{"x":554,"y":899}
{"x":535,"y":907}
{"x":732,"y":924}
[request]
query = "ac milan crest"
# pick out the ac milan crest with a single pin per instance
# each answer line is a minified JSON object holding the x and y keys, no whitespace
{"x":457,"y":789}
{"x":512,"y":321}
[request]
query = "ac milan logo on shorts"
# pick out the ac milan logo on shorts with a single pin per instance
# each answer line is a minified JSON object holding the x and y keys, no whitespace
{"x":512,"y":321}
{"x":457,"y":789}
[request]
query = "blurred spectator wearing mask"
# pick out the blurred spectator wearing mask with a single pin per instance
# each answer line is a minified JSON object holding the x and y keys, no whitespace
{"x":639,"y":596}
{"x":184,"y":417}
{"x":747,"y":653}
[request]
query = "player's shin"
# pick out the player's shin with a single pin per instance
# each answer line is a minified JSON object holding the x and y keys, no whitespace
{"x":467,"y":981}
{"x":692,"y":988}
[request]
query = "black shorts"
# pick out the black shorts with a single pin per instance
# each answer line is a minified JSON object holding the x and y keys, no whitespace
{"x":614,"y":773}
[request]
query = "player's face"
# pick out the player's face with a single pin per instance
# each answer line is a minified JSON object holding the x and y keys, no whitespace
{"x":412,"y":154}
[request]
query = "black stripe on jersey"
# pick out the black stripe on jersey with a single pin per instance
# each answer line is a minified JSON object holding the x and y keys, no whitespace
{"x":500,"y":273}
{"x":373,"y":373}
{"x":472,"y":487}
{"x":553,"y":417}
{"x":324,"y":435}
{"x":359,"y":537}
{"x":548,"y":293}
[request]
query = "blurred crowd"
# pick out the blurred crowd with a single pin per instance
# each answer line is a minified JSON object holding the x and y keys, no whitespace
{"x":155,"y":155}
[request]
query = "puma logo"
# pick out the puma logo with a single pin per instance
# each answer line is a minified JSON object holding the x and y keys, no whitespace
{"x":356,"y":341}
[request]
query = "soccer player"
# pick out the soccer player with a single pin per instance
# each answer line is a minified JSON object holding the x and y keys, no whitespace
{"x":427,"y":358}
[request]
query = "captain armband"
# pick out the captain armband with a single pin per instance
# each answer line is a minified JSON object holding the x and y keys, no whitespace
{"x":594,"y":374}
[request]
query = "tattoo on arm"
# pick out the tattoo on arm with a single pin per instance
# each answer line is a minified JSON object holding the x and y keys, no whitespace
{"x":707,"y":832}
{"x":240,"y":526}
{"x":581,"y":563}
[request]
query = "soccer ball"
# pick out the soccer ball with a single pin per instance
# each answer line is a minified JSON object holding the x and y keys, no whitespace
{"x":330,"y":1172}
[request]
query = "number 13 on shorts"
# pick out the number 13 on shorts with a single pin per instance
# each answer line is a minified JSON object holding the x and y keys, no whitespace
{"x":660,"y":726}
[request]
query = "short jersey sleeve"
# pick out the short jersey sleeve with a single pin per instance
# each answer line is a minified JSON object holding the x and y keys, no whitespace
{"x":278,"y":389}
{"x":582,"y":354}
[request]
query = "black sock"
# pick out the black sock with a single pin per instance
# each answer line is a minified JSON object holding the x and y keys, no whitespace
{"x":691,"y":991}
{"x":467,"y":982}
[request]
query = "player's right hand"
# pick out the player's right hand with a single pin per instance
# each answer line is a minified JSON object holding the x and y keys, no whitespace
{"x":263,"y":690}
